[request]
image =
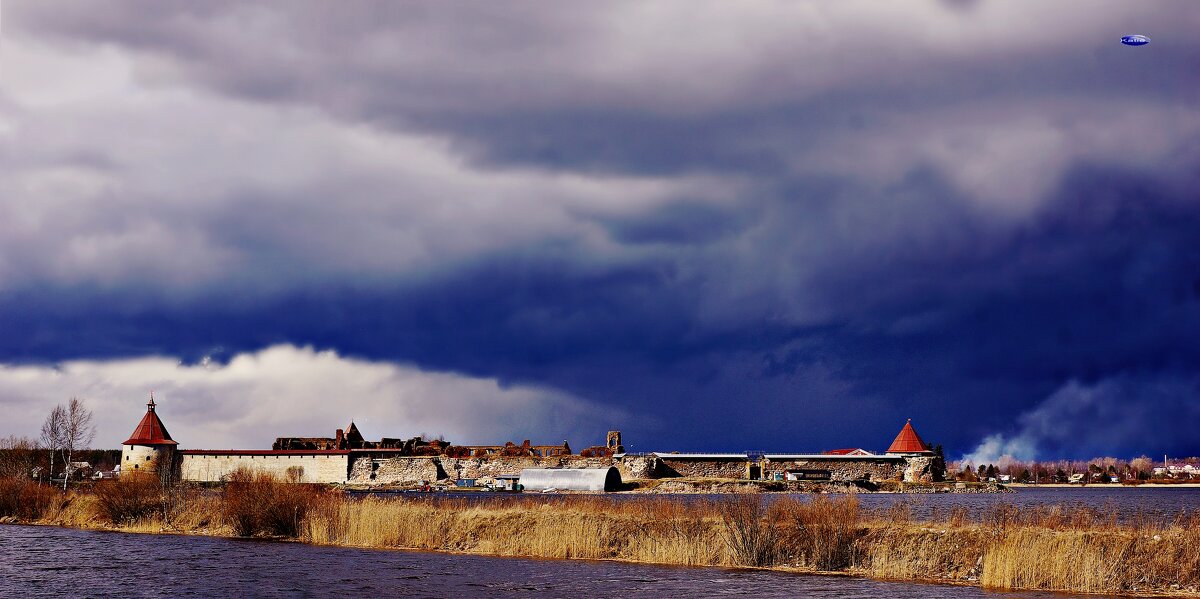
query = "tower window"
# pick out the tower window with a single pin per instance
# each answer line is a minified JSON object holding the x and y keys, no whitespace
{"x":147,"y":458}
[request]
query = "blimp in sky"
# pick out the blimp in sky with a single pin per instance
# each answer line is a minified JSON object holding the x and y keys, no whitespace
{"x":1135,"y":40}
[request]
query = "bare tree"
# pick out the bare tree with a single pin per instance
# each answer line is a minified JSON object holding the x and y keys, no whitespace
{"x":78,"y":432}
{"x":52,"y":433}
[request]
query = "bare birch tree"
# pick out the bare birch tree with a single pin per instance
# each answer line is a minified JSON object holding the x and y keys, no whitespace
{"x":78,"y":432}
{"x":52,"y":433}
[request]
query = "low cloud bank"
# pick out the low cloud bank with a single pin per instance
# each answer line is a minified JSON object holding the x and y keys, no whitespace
{"x":287,"y":390}
{"x":1122,"y":416}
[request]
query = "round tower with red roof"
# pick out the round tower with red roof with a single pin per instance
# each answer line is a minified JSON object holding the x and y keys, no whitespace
{"x":149,"y":446}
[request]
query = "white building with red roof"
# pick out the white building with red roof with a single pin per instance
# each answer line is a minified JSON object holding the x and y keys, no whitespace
{"x":149,"y":445}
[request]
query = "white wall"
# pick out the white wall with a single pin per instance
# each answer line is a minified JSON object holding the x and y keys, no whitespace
{"x":318,"y":468}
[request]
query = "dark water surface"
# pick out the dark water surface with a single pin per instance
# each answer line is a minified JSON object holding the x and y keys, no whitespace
{"x":38,"y":561}
{"x":1159,"y":504}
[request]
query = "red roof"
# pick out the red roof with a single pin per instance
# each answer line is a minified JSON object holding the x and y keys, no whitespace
{"x":908,"y":441}
{"x":850,"y":451}
{"x":150,"y":431}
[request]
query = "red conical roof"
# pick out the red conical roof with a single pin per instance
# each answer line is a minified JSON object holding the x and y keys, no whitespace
{"x":908,"y":441}
{"x":150,"y":431}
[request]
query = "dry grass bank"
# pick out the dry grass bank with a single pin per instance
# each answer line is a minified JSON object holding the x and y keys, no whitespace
{"x":1049,"y":548}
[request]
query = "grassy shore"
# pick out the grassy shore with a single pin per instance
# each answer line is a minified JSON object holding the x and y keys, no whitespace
{"x":1050,"y":548}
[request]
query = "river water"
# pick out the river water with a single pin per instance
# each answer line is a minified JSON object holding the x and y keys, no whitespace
{"x":39,"y":561}
{"x":1150,"y":504}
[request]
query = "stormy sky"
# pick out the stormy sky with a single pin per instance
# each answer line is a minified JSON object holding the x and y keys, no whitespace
{"x":715,"y":226}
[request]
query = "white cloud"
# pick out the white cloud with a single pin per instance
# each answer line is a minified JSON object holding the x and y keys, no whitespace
{"x":293,"y":391}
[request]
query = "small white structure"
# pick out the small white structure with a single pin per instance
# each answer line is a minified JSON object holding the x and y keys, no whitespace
{"x":506,"y":482}
{"x":571,"y":479}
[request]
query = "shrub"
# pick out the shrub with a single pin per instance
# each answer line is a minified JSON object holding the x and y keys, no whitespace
{"x":255,"y":503}
{"x":26,"y":499}
{"x":129,"y":498}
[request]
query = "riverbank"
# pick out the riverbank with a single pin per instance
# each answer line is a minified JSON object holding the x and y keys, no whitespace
{"x":1104,"y":486}
{"x":723,"y":486}
{"x":1051,"y":548}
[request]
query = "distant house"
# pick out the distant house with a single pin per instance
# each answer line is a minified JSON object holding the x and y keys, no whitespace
{"x":80,"y":470}
{"x":1176,"y":471}
{"x":1075,"y":478}
{"x":1005,"y":478}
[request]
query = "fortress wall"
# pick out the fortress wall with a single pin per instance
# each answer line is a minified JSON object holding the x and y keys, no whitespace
{"x":318,"y":468}
{"x":707,"y":468}
{"x":389,"y":470}
{"x":841,"y":469}
{"x":394,"y":470}
{"x":456,"y":468}
{"x":635,"y":467}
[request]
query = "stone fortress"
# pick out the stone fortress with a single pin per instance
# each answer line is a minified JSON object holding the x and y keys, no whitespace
{"x":348,"y":458}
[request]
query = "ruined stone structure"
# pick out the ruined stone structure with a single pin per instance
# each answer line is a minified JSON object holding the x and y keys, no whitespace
{"x":613,"y":442}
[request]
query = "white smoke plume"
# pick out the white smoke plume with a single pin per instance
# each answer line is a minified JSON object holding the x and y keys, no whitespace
{"x":1122,"y":416}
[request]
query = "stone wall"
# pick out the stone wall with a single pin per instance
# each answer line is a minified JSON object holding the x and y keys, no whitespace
{"x":317,"y":468}
{"x":394,"y":470}
{"x":635,"y":467}
{"x":398,"y":470}
{"x":841,"y":469}
{"x":924,"y":469}
{"x":490,"y":467}
{"x":707,"y":468}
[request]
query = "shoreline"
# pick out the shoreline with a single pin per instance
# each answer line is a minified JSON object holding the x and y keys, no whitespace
{"x":1103,"y":486}
{"x":782,"y":569}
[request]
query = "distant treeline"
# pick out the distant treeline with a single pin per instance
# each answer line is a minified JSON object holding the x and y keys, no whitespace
{"x":24,"y":457}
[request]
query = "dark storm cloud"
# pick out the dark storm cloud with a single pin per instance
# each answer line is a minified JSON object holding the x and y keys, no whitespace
{"x":730,"y":223}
